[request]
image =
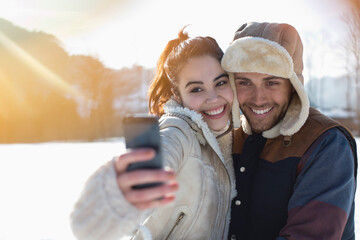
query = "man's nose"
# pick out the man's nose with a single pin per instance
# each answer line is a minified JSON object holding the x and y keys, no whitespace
{"x":259,"y":96}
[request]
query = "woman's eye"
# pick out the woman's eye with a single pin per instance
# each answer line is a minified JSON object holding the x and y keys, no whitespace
{"x":196,"y":90}
{"x":221,"y":83}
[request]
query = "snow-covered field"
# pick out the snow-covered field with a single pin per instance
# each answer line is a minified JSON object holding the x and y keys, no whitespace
{"x":40,"y":182}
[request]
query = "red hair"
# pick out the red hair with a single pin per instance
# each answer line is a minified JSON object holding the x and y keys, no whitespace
{"x":176,"y":53}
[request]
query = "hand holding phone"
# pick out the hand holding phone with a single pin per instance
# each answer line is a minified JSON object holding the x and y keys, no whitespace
{"x":149,"y":197}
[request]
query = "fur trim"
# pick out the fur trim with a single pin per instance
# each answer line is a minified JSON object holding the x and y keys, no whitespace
{"x":225,"y":143}
{"x":255,"y":54}
{"x":245,"y":125}
{"x":172,"y":106}
{"x":274,"y":131}
{"x":298,"y":110}
{"x":235,"y":111}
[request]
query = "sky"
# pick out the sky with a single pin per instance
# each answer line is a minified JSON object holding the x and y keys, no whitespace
{"x":122,"y":33}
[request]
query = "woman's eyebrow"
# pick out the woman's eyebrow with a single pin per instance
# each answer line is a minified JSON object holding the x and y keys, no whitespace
{"x":221,"y":75}
{"x":200,"y":82}
{"x":193,"y":82}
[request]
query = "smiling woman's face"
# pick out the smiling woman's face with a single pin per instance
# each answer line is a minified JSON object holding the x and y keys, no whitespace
{"x":203,"y":86}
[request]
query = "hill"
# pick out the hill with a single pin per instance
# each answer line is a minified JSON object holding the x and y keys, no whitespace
{"x":48,"y":94}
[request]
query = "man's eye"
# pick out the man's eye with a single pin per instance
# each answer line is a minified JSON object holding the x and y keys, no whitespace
{"x":243,"y":83}
{"x":272,"y":83}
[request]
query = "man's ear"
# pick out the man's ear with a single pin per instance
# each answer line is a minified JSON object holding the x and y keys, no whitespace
{"x":176,"y":95}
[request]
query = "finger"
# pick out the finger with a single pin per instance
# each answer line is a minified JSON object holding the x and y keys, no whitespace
{"x":150,"y":194}
{"x":132,"y":156}
{"x":155,"y":203}
{"x":128,"y":179}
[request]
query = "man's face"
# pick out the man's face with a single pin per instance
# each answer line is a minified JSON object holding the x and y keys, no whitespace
{"x":263,"y":99}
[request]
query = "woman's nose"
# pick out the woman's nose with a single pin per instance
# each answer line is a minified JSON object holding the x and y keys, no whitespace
{"x":212,"y":97}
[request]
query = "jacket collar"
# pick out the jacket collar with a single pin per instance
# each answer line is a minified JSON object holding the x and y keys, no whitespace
{"x":201,"y":129}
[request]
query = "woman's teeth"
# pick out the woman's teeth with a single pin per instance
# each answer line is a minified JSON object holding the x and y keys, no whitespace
{"x":261,"y":111}
{"x":215,"y":111}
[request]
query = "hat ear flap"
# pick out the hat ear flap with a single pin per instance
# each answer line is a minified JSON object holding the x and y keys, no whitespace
{"x":235,"y":111}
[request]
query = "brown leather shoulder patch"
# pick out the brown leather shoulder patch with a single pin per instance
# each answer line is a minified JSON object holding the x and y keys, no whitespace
{"x":317,"y":124}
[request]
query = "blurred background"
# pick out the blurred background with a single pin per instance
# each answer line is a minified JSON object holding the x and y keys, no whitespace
{"x":69,"y":70}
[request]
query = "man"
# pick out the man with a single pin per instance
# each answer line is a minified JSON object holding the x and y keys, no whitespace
{"x":295,"y":168}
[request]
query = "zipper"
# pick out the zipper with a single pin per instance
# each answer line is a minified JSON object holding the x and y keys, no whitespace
{"x":178,"y":220}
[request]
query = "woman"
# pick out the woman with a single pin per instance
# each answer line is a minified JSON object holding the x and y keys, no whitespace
{"x":193,"y":96}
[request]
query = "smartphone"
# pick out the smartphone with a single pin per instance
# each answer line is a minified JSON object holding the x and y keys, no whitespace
{"x":142,"y":130}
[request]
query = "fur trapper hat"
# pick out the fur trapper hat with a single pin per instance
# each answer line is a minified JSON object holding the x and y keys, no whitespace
{"x":273,"y":49}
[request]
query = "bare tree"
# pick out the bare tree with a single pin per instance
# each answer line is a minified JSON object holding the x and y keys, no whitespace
{"x":349,"y":90}
{"x":309,"y":49}
{"x":352,"y":46}
{"x":315,"y":51}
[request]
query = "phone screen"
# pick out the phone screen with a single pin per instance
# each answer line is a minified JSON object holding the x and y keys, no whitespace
{"x":139,"y":132}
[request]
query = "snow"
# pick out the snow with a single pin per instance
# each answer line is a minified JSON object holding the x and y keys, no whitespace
{"x":39,"y":184}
